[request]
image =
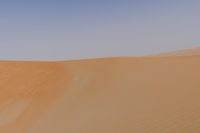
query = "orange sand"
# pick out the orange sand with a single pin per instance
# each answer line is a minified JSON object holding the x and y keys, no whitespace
{"x":113,"y":95}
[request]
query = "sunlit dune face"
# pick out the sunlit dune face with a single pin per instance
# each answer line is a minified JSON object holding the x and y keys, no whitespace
{"x":27,"y":90}
{"x":136,"y":95}
{"x":112,"y":95}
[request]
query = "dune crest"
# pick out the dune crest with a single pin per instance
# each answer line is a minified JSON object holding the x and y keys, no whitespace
{"x":185,"y":52}
{"x":113,"y":95}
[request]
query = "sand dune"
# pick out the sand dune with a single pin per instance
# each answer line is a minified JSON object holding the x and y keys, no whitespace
{"x":184,"y":52}
{"x":113,"y":95}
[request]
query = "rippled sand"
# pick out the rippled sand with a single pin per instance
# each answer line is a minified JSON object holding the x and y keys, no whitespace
{"x":112,"y":95}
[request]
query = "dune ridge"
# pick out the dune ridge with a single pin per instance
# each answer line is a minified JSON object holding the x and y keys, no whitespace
{"x":182,"y":52}
{"x":110,"y":95}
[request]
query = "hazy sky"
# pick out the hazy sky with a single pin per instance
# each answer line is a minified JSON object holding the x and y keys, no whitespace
{"x":71,"y":29}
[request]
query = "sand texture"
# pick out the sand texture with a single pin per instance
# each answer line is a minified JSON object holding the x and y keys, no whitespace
{"x":158,"y":94}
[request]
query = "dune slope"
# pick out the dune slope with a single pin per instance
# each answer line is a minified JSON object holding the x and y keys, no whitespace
{"x":113,"y":95}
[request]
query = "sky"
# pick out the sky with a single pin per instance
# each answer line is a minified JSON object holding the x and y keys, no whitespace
{"x":78,"y":29}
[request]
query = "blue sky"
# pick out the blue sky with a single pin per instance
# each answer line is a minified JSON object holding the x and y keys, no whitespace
{"x":63,"y":29}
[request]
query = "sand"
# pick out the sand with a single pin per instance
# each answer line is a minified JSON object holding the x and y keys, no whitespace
{"x":110,"y":95}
